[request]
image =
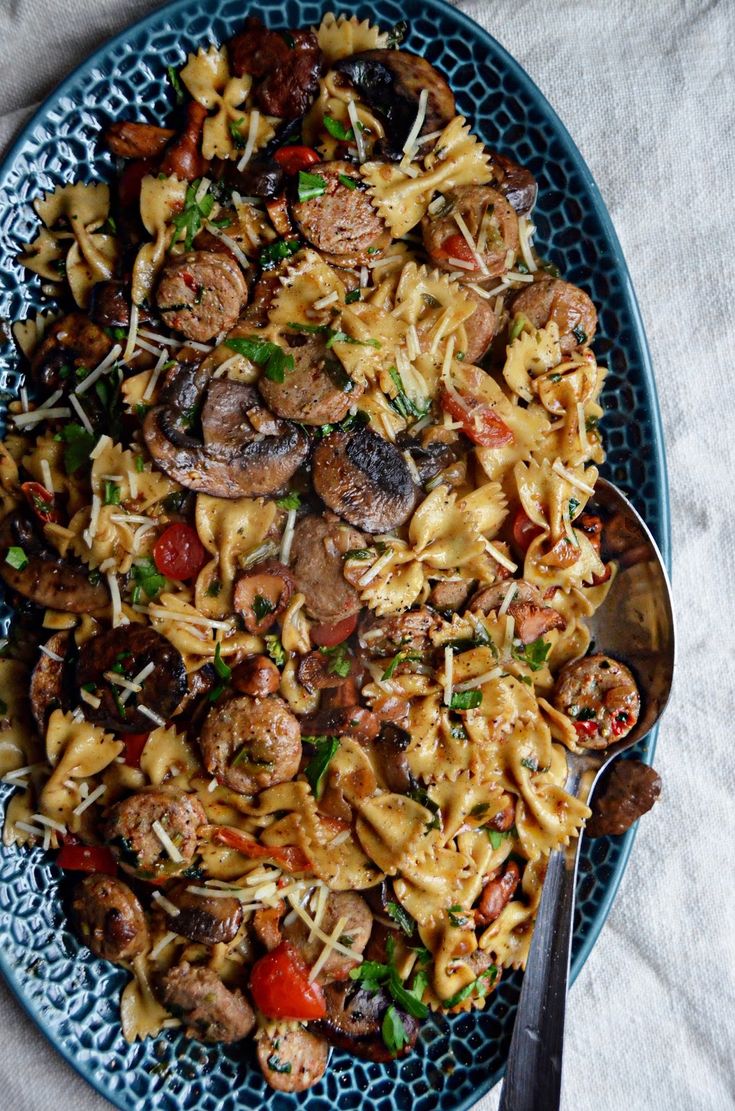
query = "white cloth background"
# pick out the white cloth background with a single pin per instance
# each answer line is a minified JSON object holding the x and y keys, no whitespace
{"x":647,"y":90}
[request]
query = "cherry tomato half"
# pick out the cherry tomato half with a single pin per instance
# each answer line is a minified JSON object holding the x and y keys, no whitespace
{"x":279,"y":984}
{"x":41,"y":501}
{"x":134,"y":745}
{"x":179,"y":553}
{"x":523,"y":530}
{"x":293,"y":159}
{"x":326,"y":636}
{"x":456,"y":246}
{"x":86,"y":858}
{"x":488,"y":429}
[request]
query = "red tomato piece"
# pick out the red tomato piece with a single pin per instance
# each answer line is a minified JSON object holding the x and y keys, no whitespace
{"x":586,"y":728}
{"x":41,"y":501}
{"x":134,"y":745}
{"x":326,"y":636}
{"x":620,"y":723}
{"x":488,"y":430}
{"x":179,"y":553}
{"x":524,"y":530}
{"x":456,"y":246}
{"x":293,"y":159}
{"x":290,"y":857}
{"x":279,"y":984}
{"x":86,"y":858}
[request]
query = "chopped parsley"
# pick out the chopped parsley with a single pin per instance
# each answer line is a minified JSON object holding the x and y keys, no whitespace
{"x":497,"y":836}
{"x":519,"y":323}
{"x":401,"y":917}
{"x":139,"y":464}
{"x":352,"y":296}
{"x":359,"y":553}
{"x":393,"y":1031}
{"x":78,"y":444}
{"x":332,"y":336}
{"x":458,"y":917}
{"x":399,"y":659}
{"x":530,"y":763}
{"x":481,"y":986}
{"x":465,"y":700}
{"x":275,"y":1064}
{"x":373,"y":975}
{"x":189,"y":221}
{"x":310,"y":185}
{"x":223,"y":672}
{"x":402,"y":403}
{"x":269,"y":356}
{"x":397,"y":34}
{"x":112,"y":493}
{"x":338,"y":131}
{"x":423,"y":798}
{"x":275,"y":649}
{"x":147,"y":578}
{"x":274,"y":252}
{"x":579,"y":334}
{"x":176,"y":84}
{"x":348,"y":182}
{"x":316,"y":770}
{"x":340,"y":661}
{"x":214,"y":588}
{"x":289,"y":501}
{"x":262,"y":606}
{"x":573,"y":506}
{"x":235,"y":133}
{"x":534,"y":654}
{"x":16,"y":558}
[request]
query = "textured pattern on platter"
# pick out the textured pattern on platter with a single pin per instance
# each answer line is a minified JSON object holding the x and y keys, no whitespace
{"x":74,"y":997}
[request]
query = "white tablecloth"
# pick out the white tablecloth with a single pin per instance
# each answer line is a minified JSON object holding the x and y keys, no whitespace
{"x":647,"y":90}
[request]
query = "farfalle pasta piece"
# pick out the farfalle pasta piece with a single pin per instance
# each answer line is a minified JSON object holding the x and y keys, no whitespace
{"x":72,"y":244}
{"x":160,"y":200}
{"x":531,"y":352}
{"x":167,"y":753}
{"x":390,"y":828}
{"x":397,"y":585}
{"x":307,"y":279}
{"x":508,"y":938}
{"x":429,"y":883}
{"x":18,"y":747}
{"x":141,"y":1015}
{"x":340,"y":862}
{"x":442,"y":534}
{"x":207,"y":77}
{"x":340,"y":35}
{"x":229,"y":529}
{"x":457,"y":158}
{"x":77,"y":750}
{"x":438,"y":748}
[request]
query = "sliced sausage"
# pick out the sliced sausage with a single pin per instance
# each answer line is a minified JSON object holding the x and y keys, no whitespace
{"x":317,"y":558}
{"x":355,"y":1018}
{"x":72,"y":342}
{"x":201,"y":293}
{"x":486,"y":213}
{"x":211,"y":1011}
{"x":364,"y":479}
{"x":129,"y":830}
{"x":292,"y":1060}
{"x":516,"y":183}
{"x":398,"y":632}
{"x":531,"y":616}
{"x":257,"y":676}
{"x":46,"y":579}
{"x":627,"y":791}
{"x":448,"y":596}
{"x":601,"y":696}
{"x":391,"y":82}
{"x":128,"y":139}
{"x":355,"y":935}
{"x":210,"y":921}
{"x":568,"y":306}
{"x":341,"y":220}
{"x":262,"y":594}
{"x":496,"y":893}
{"x":342,"y":721}
{"x":51,"y":686}
{"x":251,"y":743}
{"x":479,"y":328}
{"x":286,"y":66}
{"x":317,"y":390}
{"x":109,"y":918}
{"x":125,"y":651}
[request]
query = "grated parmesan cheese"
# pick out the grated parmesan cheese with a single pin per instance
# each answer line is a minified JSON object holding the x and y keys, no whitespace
{"x":92,"y":797}
{"x":448,"y":675}
{"x":46,"y":476}
{"x":525,"y":235}
{"x":166,"y":904}
{"x":231,"y":244}
{"x":478,"y":680}
{"x":336,"y":945}
{"x":162,"y":944}
{"x":184,"y":618}
{"x":509,"y":595}
{"x":374,"y":570}
{"x":510,"y":626}
{"x":151,"y":715}
{"x":559,"y":468}
{"x":328,"y":949}
{"x":151,"y":383}
{"x":24,"y":420}
{"x":329,"y":299}
{"x":49,"y":822}
{"x":466,"y":235}
{"x":132,"y":334}
{"x":164,"y":341}
{"x":287,"y":539}
{"x":166,"y":841}
{"x":409,"y":147}
{"x":102,"y":444}
{"x":412,"y":467}
{"x":91,"y":699}
{"x":51,"y":654}
{"x":359,"y":140}
{"x":110,"y":358}
{"x":77,"y":406}
{"x":251,"y":141}
{"x":94,"y":515}
{"x":118,"y":617}
{"x":500,"y":557}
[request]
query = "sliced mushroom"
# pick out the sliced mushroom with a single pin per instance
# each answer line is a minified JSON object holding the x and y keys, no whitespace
{"x":364,"y":479}
{"x":129,"y":139}
{"x":316,"y":672}
{"x":532,"y":617}
{"x":74,"y":341}
{"x":516,"y":183}
{"x":46,"y":578}
{"x":429,"y":457}
{"x":126,"y":651}
{"x":110,"y":304}
{"x":342,"y":721}
{"x":257,"y":675}
{"x":390,"y":82}
{"x":235,"y":458}
{"x":355,"y":1018}
{"x":285,"y":65}
{"x":210,"y":921}
{"x":262,"y":594}
{"x":51,"y":684}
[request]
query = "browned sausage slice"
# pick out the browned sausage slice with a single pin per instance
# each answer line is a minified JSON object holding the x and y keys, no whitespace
{"x":364,"y":479}
{"x":251,"y":743}
{"x":287,"y":65}
{"x":211,"y":1011}
{"x":317,"y":391}
{"x":341,"y":220}
{"x":128,"y":139}
{"x":355,"y":934}
{"x":527,"y":608}
{"x":407,"y":632}
{"x":628,"y":791}
{"x":487,"y":214}
{"x":208,"y":921}
{"x":73,"y":341}
{"x":601,"y":696}
{"x":109,"y":918}
{"x":355,"y":1018}
{"x":479,"y":328}
{"x":292,"y":1060}
{"x":126,"y":651}
{"x":130,"y":828}
{"x":200,"y":294}
{"x":257,"y":676}
{"x":317,"y":555}
{"x":568,"y":306}
{"x":50,"y":685}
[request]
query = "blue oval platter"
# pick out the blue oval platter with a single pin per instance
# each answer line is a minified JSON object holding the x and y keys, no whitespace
{"x":73,"y":997}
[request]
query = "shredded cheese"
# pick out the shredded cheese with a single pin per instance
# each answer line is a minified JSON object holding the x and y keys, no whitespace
{"x":509,"y":596}
{"x":110,"y":358}
{"x":91,"y":797}
{"x":410,"y":143}
{"x":336,"y":945}
{"x":479,"y":290}
{"x":359,"y":140}
{"x":121,"y":681}
{"x":166,"y":904}
{"x":77,"y":405}
{"x":374,"y":570}
{"x":162,"y":944}
{"x":151,"y":715}
{"x":328,"y":949}
{"x":287,"y":539}
{"x":35,"y":831}
{"x":51,"y":654}
{"x":166,"y":841}
{"x":448,"y":675}
{"x":559,"y":468}
{"x":328,"y":300}
{"x":478,"y":680}
{"x":184,"y":618}
{"x":500,"y":557}
{"x":94,"y":515}
{"x":510,"y":625}
{"x":44,"y":821}
{"x":118,"y":617}
{"x":412,"y":467}
{"x":132,"y":334}
{"x":231,"y":244}
{"x":24,"y":420}
{"x":91,"y":699}
{"x":152,"y":381}
{"x":251,"y":141}
{"x":164,"y":341}
{"x":462,"y":225}
{"x":46,"y":476}
{"x":525,"y":234}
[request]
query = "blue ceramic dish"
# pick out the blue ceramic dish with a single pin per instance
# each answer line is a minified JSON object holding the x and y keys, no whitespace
{"x":74,"y":998}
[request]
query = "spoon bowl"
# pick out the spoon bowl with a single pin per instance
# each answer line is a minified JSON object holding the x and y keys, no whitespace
{"x":635,"y":624}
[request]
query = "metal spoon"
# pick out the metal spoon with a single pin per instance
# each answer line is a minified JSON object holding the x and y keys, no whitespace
{"x":636,"y":625}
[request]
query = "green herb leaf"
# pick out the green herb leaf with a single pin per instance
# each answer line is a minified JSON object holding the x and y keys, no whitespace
{"x":148,"y":578}
{"x":573,"y":506}
{"x":399,"y":659}
{"x":397,"y":33}
{"x":112,"y":493}
{"x":176,"y":84}
{"x":402,"y":403}
{"x":224,"y":671}
{"x":16,"y":558}
{"x":139,"y":464}
{"x":269,"y":356}
{"x":338,"y":130}
{"x":340,"y":661}
{"x":316,"y":770}
{"x":274,"y":252}
{"x":481,"y":986}
{"x":519,"y":323}
{"x":534,"y":654}
{"x":310,"y":185}
{"x":235,"y":132}
{"x":189,"y":221}
{"x":262,"y":606}
{"x":214,"y":588}
{"x":465,"y":700}
{"x":348,"y":182}
{"x":401,"y":917}
{"x":79,"y":444}
{"x":290,"y":501}
{"x":3,"y":706}
{"x":275,"y":1064}
{"x":275,"y":650}
{"x":352,"y":296}
{"x":332,"y":336}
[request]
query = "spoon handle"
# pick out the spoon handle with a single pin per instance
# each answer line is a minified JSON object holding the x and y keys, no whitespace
{"x":533,"y":1073}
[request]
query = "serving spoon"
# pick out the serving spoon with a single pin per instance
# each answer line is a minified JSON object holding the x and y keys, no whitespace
{"x":635,"y":624}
